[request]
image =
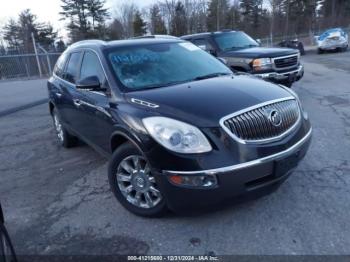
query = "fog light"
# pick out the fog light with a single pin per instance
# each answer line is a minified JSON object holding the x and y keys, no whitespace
{"x":205,"y":181}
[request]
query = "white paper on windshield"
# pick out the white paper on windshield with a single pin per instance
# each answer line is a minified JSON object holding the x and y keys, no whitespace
{"x":189,"y":46}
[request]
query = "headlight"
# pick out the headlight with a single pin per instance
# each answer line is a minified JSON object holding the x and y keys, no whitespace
{"x":262,"y":64}
{"x":176,"y":135}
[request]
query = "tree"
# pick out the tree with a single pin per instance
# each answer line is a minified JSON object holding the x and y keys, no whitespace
{"x":252,"y":11}
{"x":179,"y":21}
{"x":83,"y":15}
{"x":115,"y":30}
{"x":157,"y":24}
{"x":139,"y":25}
{"x":18,"y":33}
{"x":335,"y":13}
{"x":97,"y":11}
{"x":60,"y":46}
{"x":11,"y":34}
{"x":217,"y":14}
{"x":234,"y":16}
{"x":46,"y":35}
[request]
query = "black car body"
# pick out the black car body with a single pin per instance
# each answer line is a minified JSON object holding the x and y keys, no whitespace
{"x":244,"y":54}
{"x":7,"y":252}
{"x":200,"y":141}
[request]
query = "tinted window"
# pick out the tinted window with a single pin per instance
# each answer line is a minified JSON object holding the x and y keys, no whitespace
{"x":157,"y":65}
{"x":60,"y":65}
{"x":91,"y":66}
{"x":203,"y":43}
{"x":234,"y":41}
{"x":71,"y":72}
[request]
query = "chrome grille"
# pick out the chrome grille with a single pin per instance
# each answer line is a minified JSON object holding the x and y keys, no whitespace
{"x":286,"y":62}
{"x":259,"y":124}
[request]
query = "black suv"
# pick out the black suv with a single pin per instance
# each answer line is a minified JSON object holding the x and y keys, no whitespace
{"x":180,"y":129}
{"x":242,"y":53}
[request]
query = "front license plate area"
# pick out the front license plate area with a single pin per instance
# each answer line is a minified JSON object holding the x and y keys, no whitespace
{"x":284,"y":165}
{"x":292,"y":77}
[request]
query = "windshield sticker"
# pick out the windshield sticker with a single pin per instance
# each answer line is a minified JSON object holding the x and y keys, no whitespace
{"x":134,"y":58}
{"x":189,"y":46}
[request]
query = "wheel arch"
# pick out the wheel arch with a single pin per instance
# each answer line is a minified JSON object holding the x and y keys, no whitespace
{"x":121,"y":136}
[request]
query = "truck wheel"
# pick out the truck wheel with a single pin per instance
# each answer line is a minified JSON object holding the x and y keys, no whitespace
{"x":64,"y":137}
{"x":133,"y":184}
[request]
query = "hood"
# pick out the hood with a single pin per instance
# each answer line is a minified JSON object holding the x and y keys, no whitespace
{"x":259,"y":52}
{"x":203,"y":103}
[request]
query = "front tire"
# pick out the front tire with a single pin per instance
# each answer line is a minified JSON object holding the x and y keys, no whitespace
{"x":133,"y":184}
{"x":64,"y":137}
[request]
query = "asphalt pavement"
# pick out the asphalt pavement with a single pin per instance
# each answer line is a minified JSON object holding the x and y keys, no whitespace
{"x":57,"y":201}
{"x":20,"y":95}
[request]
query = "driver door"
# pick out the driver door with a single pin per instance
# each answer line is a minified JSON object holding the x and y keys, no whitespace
{"x":95,"y":121}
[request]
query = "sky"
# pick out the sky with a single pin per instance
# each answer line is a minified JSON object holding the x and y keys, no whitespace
{"x":48,"y":10}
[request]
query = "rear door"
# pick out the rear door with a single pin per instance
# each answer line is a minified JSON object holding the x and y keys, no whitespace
{"x":95,"y":120}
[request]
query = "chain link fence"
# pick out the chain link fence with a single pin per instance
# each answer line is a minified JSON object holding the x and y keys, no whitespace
{"x":308,"y":39}
{"x":24,"y":66}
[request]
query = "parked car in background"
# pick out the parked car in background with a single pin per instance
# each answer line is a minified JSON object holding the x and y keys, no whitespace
{"x":244,"y":54}
{"x":7,"y":252}
{"x":295,"y":44}
{"x":332,"y":39}
{"x":179,"y":127}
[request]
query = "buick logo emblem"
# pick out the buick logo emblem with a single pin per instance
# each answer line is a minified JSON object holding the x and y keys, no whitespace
{"x":275,"y":118}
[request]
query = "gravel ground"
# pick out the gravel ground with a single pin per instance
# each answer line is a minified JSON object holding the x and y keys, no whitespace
{"x":57,"y":201}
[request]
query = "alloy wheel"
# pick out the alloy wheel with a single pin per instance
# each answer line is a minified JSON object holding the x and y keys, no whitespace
{"x":136,"y":182}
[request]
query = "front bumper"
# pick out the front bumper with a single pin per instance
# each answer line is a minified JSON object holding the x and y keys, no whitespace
{"x":281,"y":77}
{"x":328,"y":46}
{"x":250,"y":177}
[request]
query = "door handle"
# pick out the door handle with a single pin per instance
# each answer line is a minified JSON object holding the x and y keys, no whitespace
{"x":77,"y":102}
{"x":58,"y":94}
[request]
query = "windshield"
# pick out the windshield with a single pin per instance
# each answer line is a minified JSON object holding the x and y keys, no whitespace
{"x":158,"y":65}
{"x":234,"y":41}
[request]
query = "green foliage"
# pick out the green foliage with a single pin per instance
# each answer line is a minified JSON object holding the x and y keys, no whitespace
{"x":139,"y":25}
{"x":179,"y":22}
{"x":157,"y":25}
{"x":17,"y":33}
{"x":217,"y":15}
{"x":86,"y":18}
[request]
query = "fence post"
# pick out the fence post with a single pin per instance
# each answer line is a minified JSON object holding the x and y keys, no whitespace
{"x":36,"y":55}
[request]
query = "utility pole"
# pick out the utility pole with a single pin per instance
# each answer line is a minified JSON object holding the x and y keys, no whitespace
{"x":36,"y":55}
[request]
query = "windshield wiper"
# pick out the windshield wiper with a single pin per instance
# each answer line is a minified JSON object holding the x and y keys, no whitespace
{"x":165,"y":84}
{"x":211,"y":76}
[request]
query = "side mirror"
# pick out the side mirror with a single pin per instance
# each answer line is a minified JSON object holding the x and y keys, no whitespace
{"x":90,"y":83}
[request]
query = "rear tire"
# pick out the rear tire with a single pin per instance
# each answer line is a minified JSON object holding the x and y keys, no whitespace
{"x":64,"y":137}
{"x":133,"y":184}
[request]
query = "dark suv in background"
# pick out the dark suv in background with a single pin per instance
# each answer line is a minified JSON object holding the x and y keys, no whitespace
{"x":242,"y":53}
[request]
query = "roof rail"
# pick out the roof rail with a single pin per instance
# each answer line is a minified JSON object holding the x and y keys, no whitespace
{"x":91,"y":41}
